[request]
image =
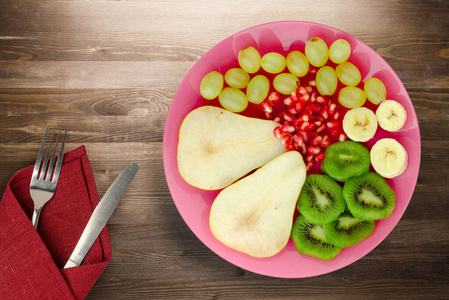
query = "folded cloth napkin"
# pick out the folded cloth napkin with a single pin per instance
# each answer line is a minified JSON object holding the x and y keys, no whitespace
{"x":31,"y":262}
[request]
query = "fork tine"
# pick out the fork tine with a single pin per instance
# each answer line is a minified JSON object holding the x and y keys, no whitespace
{"x":37,"y":165}
{"x":50,"y":167}
{"x":44,"y":165}
{"x":60,"y":159}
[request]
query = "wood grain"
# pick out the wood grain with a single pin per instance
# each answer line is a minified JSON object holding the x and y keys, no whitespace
{"x":108,"y":70}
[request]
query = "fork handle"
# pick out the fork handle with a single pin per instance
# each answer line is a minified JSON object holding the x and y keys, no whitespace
{"x":35,"y":218}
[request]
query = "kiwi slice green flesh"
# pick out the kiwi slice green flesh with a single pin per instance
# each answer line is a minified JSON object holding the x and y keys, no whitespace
{"x":369,"y":197}
{"x":345,"y":159}
{"x":309,"y":239}
{"x":347,"y":230}
{"x":321,"y":200}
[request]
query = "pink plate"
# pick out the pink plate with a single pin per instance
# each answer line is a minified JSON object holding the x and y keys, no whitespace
{"x":194,"y":204}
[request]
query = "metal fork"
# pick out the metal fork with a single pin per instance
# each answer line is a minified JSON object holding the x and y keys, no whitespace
{"x":43,"y":184}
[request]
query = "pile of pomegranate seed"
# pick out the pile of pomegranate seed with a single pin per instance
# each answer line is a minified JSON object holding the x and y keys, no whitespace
{"x":309,"y":121}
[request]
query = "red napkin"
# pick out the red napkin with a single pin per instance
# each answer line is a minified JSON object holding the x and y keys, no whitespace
{"x":31,"y":262}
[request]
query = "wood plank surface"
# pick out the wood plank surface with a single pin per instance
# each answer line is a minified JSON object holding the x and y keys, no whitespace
{"x":108,"y":71}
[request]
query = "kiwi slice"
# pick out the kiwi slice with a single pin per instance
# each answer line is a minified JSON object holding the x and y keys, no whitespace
{"x":321,"y":200}
{"x":309,"y":239}
{"x":369,"y":197}
{"x":347,"y":230}
{"x":345,"y":159}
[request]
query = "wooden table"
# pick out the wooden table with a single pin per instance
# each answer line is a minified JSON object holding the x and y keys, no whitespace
{"x":108,"y":70}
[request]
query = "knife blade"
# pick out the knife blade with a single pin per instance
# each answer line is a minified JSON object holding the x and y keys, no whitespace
{"x":101,"y":215}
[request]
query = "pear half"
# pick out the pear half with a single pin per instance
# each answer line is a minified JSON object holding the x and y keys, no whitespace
{"x":216,"y":147}
{"x":255,"y":214}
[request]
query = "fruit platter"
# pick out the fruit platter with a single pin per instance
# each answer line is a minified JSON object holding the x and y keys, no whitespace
{"x":291,"y":149}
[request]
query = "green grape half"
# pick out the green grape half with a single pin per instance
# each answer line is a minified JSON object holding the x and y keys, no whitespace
{"x":211,"y":85}
{"x":326,"y":80}
{"x":258,"y":89}
{"x":339,"y":51}
{"x":316,"y":52}
{"x":285,"y":83}
{"x":233,"y":99}
{"x":297,"y":63}
{"x":237,"y":78}
{"x":249,"y":59}
{"x":351,"y":97}
{"x":348,"y":74}
{"x":375,"y":90}
{"x":273,"y":62}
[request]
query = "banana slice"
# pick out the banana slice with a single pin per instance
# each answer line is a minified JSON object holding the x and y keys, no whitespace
{"x":391,"y":115}
{"x":389,"y":158}
{"x":360,"y":124}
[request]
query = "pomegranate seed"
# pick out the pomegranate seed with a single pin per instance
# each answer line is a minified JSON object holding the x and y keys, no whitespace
{"x":299,"y":106}
{"x":316,"y":140}
{"x":294,"y":96}
{"x":313,"y":70}
{"x":320,"y":156}
{"x":297,"y":138}
{"x":289,"y":117}
{"x":312,"y":83}
{"x":309,"y":157}
{"x":277,"y":119}
{"x":317,"y":123}
{"x":304,"y":135}
{"x":336,"y":115}
{"x":308,"y":109}
{"x":304,"y":126}
{"x":304,"y":98}
{"x":342,"y":137}
{"x":316,"y":108}
{"x":311,"y":127}
{"x":289,"y":128}
{"x":274,"y":97}
{"x":313,"y":150}
{"x":286,"y":139}
{"x":324,"y":114}
{"x":313,"y":97}
{"x":292,"y":110}
{"x":277,"y":132}
{"x":312,"y":134}
{"x":304,"y":116}
{"x":332,"y":108}
{"x":289,"y":101}
{"x":266,"y":107}
{"x":290,"y":147}
{"x":325,"y":142}
{"x":297,"y":122}
{"x":309,"y":165}
{"x":295,"y":146}
{"x":303,"y":149}
{"x":309,"y":89}
{"x":332,"y":124}
{"x":335,"y":132}
{"x":321,"y":100}
{"x":321,"y":128}
{"x":268,"y":116}
{"x":302,"y":90}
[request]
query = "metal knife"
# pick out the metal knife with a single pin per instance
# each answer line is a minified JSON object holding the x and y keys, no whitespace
{"x":101,"y":215}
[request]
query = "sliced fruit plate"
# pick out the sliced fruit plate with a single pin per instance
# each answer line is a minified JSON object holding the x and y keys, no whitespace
{"x":274,"y":157}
